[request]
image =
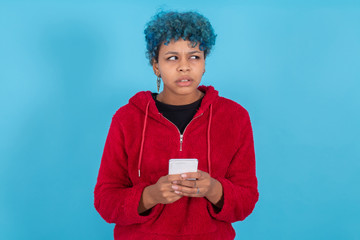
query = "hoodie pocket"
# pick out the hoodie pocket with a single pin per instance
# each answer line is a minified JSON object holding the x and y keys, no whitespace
{"x":183,"y":217}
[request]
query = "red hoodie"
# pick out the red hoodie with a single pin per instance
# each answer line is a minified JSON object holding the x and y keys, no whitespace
{"x":138,"y":147}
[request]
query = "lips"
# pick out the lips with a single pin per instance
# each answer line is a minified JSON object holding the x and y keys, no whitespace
{"x":184,"y":81}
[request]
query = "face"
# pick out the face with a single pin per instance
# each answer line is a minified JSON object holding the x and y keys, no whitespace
{"x":181,"y":68}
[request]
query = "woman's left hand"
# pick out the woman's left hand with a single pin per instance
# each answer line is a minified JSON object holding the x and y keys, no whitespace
{"x":203,"y":186}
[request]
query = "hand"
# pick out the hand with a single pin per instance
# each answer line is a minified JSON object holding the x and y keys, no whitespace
{"x":162,"y":191}
{"x":171,"y":188}
{"x":203,"y":186}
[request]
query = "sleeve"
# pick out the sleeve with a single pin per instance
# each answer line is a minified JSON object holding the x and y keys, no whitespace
{"x":115,"y":197}
{"x":240,"y":192}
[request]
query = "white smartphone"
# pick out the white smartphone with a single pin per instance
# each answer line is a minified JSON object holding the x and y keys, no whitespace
{"x":183,"y":165}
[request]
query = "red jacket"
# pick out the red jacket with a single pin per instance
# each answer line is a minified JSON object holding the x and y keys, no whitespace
{"x":137,"y":151}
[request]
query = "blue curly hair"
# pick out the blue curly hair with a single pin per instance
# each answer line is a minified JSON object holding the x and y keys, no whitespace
{"x":165,"y":26}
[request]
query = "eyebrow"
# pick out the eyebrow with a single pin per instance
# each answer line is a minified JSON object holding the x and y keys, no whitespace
{"x":192,"y":52}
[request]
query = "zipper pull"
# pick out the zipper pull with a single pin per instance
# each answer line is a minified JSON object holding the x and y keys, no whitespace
{"x":181,"y":141}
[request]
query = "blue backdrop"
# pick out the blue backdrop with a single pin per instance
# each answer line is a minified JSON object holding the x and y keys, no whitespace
{"x":66,"y":67}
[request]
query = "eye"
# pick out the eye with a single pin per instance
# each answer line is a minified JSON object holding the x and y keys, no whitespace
{"x":172,"y":58}
{"x":194,"y":57}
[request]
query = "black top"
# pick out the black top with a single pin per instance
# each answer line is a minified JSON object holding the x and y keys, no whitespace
{"x":179,"y":115}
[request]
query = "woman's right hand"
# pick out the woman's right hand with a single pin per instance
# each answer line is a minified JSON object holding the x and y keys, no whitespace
{"x":160,"y":192}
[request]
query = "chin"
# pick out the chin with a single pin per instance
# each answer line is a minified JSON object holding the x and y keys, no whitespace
{"x":186,"y":90}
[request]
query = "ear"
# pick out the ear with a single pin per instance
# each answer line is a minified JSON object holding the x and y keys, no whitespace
{"x":155,"y":66}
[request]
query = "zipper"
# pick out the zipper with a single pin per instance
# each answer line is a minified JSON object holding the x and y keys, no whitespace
{"x":181,"y":135}
{"x":181,"y":141}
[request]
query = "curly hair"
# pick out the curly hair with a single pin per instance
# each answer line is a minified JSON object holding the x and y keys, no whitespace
{"x":165,"y":26}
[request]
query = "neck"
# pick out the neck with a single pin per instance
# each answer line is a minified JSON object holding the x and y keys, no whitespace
{"x":179,"y":99}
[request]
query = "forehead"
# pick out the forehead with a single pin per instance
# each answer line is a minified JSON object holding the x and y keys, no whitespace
{"x":180,"y":45}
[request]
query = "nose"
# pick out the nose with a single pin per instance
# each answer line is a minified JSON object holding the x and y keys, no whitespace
{"x":183,"y":65}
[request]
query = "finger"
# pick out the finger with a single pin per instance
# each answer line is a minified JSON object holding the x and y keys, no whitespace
{"x":192,"y":175}
{"x":174,"y":177}
{"x":186,"y":183}
{"x":185,"y":190}
{"x":203,"y":174}
{"x":174,"y":197}
{"x":195,"y":192}
{"x":191,"y":195}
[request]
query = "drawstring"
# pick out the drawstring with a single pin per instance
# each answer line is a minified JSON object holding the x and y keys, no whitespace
{"x":143,"y":136}
{"x":208,"y":141}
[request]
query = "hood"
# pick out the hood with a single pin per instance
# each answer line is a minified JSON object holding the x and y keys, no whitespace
{"x":142,"y":99}
{"x":145,"y":103}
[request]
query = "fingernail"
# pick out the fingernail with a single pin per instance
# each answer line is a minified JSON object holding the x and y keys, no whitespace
{"x":175,"y":187}
{"x":175,"y":182}
{"x":177,"y":192}
{"x":183,"y":175}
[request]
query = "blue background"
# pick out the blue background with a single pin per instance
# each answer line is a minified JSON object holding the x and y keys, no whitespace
{"x":67,"y":66}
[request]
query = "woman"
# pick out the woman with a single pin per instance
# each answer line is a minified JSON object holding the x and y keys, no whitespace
{"x":185,"y":120}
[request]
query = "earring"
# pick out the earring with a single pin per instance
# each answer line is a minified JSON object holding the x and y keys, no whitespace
{"x":158,"y":83}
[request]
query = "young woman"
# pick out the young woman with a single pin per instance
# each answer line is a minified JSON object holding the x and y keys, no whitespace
{"x":185,"y":120}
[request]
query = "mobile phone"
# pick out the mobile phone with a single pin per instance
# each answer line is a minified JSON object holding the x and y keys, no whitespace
{"x":183,"y":165}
